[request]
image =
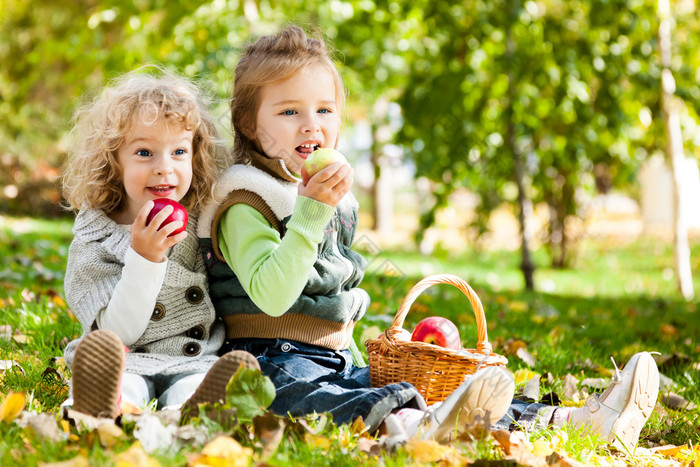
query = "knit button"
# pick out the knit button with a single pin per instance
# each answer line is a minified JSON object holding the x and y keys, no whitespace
{"x":140,"y":350}
{"x":196,"y":332}
{"x":158,"y":312}
{"x":191,"y":349}
{"x":286,"y":347}
{"x":194,"y":295}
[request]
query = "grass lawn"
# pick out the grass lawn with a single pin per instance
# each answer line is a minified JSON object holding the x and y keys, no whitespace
{"x":618,"y":300}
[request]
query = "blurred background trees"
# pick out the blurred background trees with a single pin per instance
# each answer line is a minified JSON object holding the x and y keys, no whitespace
{"x":524,"y":103}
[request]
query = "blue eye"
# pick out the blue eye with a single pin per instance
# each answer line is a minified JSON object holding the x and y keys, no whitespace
{"x":180,"y":152}
{"x":143,"y":152}
{"x":323,"y":111}
{"x":289,"y":112}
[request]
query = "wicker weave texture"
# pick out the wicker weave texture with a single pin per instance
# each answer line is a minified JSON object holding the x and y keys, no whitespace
{"x":435,"y":371}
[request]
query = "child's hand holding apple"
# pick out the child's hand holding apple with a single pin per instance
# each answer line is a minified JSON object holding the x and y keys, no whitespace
{"x":159,"y":225}
{"x":326,"y":176}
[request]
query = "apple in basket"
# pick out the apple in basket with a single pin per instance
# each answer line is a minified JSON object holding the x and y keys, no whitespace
{"x":179,"y":214}
{"x":438,"y":331}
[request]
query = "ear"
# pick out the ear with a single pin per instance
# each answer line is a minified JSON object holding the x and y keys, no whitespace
{"x":248,"y":129}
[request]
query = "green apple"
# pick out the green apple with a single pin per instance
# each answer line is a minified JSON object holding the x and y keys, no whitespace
{"x":319,"y":160}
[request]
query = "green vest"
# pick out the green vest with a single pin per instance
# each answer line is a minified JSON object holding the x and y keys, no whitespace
{"x":331,"y":302}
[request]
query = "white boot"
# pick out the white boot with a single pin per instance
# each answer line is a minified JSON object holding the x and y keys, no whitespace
{"x":619,"y":413}
{"x":485,"y":395}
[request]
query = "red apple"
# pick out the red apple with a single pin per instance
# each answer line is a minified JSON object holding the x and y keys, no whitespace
{"x":319,"y":160}
{"x":179,"y":214}
{"x":438,"y":331}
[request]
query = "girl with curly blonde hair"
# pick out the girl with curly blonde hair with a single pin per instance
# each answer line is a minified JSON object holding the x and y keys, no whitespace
{"x":134,"y":283}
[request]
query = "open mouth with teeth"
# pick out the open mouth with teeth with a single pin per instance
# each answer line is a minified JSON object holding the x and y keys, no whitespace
{"x":161,"y":190}
{"x":305,"y":149}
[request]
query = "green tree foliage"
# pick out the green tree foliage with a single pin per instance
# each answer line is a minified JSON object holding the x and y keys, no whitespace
{"x":559,"y":86}
{"x":555,"y":97}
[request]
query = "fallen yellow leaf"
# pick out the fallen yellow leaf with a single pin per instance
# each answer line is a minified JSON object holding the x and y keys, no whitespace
{"x":135,"y":456}
{"x":109,"y":434}
{"x":79,"y":461}
{"x":321,"y":442}
{"x":12,"y":406}
{"x":542,"y":448}
{"x":129,"y":408}
{"x":58,"y":301}
{"x":686,"y":454}
{"x":668,"y":331}
{"x":523,"y":376}
{"x":20,"y":338}
{"x":428,"y":450}
{"x":559,"y":439}
{"x":225,"y":451}
{"x":65,"y":425}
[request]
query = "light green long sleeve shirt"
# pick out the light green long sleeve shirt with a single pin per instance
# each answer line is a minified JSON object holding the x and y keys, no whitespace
{"x":273,"y":271}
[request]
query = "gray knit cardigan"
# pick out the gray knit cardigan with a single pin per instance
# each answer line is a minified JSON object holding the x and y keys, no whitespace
{"x":183,"y":334}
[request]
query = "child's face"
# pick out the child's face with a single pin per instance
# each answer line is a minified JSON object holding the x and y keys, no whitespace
{"x":156,"y":162}
{"x":297,"y":116}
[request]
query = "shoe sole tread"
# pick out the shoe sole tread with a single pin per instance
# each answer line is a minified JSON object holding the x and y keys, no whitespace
{"x":96,"y":374}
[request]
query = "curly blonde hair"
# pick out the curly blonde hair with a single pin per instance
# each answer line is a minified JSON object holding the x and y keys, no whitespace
{"x":269,"y":59}
{"x":92,"y":174}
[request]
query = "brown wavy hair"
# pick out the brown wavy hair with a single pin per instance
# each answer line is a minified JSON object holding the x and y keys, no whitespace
{"x":92,"y":175}
{"x":272,"y":58}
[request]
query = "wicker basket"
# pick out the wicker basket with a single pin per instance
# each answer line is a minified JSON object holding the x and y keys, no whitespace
{"x":435,"y":371}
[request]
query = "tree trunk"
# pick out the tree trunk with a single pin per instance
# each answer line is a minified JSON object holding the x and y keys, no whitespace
{"x":675,"y":153}
{"x":524,"y":203}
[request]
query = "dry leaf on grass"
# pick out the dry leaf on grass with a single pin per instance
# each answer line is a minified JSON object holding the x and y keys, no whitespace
{"x":595,"y":383}
{"x":269,"y":428}
{"x":193,"y":434}
{"x":428,"y":450}
{"x":518,"y":448}
{"x":11,"y":406}
{"x":80,"y":461}
{"x":687,"y":454}
{"x":532,"y":389}
{"x":222,"y":451}
{"x":317,"y":441}
{"x":135,"y":456}
{"x":5,"y":332}
{"x":369,"y":446}
{"x":558,"y":460}
{"x":153,"y":434}
{"x":84,"y":422}
{"x":524,"y":355}
{"x":523,"y":376}
{"x":569,"y":389}
{"x":676,"y":401}
{"x":20,"y":338}
{"x":42,"y":425}
{"x":7,"y":364}
{"x":109,"y":434}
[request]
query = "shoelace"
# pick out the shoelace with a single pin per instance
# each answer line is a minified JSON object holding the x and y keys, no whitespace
{"x":592,"y":401}
{"x":617,"y":377}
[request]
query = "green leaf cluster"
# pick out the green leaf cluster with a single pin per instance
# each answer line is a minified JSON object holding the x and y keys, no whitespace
{"x":250,"y":392}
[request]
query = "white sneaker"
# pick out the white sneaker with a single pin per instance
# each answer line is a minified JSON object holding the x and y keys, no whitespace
{"x":484,"y":396}
{"x":619,"y":413}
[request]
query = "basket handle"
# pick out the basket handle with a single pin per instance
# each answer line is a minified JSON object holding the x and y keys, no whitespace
{"x":482,"y":344}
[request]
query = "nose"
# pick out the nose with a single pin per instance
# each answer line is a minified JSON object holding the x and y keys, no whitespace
{"x":163,"y":167}
{"x":311,"y":124}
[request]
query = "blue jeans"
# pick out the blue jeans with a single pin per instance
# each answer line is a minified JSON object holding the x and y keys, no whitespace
{"x":311,"y":379}
{"x":526,"y":416}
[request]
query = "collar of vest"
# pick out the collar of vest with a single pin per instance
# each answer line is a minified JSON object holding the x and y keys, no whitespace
{"x":275,"y":167}
{"x":279,"y":194}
